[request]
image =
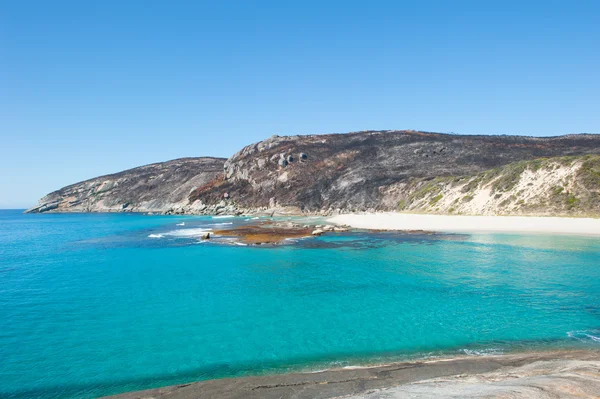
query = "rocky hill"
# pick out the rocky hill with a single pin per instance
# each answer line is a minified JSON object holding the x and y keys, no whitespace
{"x":158,"y":187}
{"x":382,"y":170}
{"x":362,"y":171}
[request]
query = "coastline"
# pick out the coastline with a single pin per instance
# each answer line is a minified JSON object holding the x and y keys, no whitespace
{"x":565,"y":373}
{"x":470,"y":224}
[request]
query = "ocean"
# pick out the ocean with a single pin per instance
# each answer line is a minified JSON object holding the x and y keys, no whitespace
{"x":98,"y":304}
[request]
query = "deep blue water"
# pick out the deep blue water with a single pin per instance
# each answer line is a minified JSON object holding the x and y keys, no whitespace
{"x":96,"y":304}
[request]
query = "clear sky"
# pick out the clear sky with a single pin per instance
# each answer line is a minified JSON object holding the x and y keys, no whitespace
{"x":95,"y":87}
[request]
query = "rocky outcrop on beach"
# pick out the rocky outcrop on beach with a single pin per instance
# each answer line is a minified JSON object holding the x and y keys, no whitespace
{"x":362,"y":171}
{"x":160,"y":187}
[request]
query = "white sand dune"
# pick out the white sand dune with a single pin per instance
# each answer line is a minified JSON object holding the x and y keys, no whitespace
{"x":443,"y":223}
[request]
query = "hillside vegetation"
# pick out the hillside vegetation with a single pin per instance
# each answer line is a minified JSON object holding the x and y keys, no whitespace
{"x":376,"y":170}
{"x":363,"y":171}
{"x":546,"y":186}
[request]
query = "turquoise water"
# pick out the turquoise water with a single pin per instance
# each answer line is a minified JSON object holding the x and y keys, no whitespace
{"x":98,"y":304}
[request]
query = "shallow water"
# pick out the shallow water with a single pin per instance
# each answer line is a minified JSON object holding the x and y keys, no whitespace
{"x":97,"y":304}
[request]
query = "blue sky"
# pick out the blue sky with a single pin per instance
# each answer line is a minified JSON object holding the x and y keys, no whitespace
{"x":95,"y":87}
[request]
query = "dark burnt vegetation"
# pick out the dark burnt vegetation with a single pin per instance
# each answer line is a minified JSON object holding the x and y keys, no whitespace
{"x":348,"y":171}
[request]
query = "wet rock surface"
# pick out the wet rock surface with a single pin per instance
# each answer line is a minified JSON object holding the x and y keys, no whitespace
{"x":265,"y":233}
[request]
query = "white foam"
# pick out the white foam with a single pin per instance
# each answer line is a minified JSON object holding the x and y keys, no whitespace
{"x":155,"y":236}
{"x":180,"y":224}
{"x":583,"y":336}
{"x":187,"y":232}
{"x":223,"y":216}
{"x":483,"y":352}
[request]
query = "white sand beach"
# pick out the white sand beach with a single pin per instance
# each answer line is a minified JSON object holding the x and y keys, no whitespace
{"x":448,"y":223}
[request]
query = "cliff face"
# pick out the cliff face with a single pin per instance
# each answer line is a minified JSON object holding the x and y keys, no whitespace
{"x":159,"y":187}
{"x":363,"y":171}
{"x":368,"y":170}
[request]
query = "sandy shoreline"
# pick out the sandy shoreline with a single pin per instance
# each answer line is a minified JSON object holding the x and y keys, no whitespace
{"x":470,"y":224}
{"x":572,"y":373}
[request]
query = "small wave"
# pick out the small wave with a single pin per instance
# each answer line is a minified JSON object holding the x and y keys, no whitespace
{"x":187,"y":232}
{"x":295,"y":240}
{"x":584,"y":336}
{"x":180,"y":224}
{"x":482,"y":352}
{"x":223,"y":216}
{"x":155,"y":236}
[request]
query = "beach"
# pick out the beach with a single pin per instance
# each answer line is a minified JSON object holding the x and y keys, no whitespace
{"x":560,"y":374}
{"x":470,"y":224}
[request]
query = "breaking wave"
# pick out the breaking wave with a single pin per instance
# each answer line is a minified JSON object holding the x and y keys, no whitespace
{"x":182,"y":233}
{"x":188,"y":232}
{"x":482,"y":352}
{"x":585,"y":336}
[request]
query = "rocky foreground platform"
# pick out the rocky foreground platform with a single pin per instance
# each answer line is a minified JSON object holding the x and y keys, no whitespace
{"x":564,"y":374}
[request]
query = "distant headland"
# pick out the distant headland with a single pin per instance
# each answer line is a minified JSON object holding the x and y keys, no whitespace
{"x":368,"y":171}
